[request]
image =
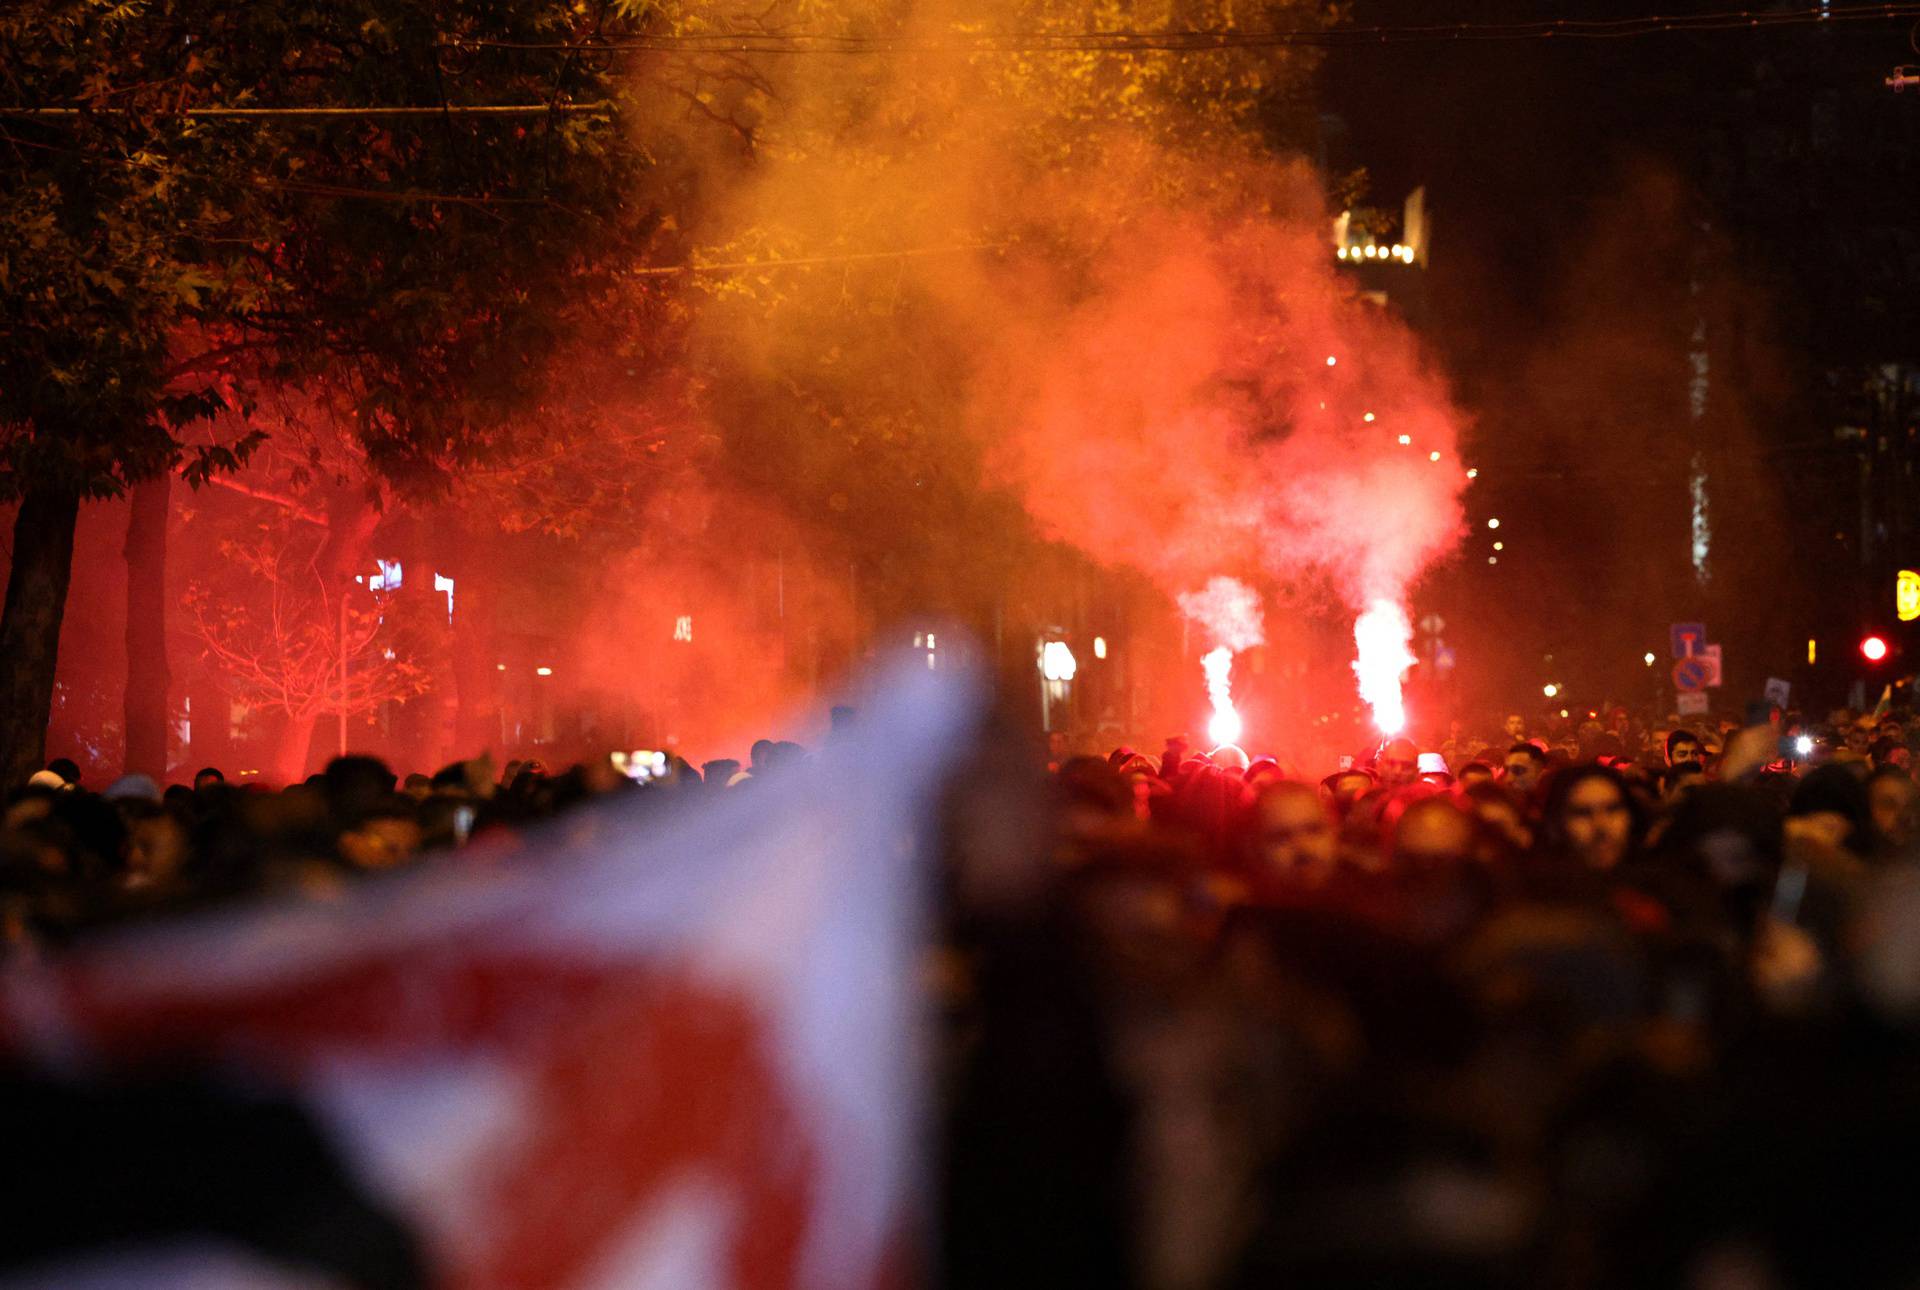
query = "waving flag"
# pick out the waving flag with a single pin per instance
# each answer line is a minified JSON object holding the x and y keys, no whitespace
{"x":652,"y":1050}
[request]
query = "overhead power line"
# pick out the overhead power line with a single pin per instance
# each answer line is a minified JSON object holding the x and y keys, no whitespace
{"x":599,"y":107}
{"x":1200,"y":40}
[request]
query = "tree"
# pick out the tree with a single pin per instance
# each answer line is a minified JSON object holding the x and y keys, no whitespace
{"x":157,"y":268}
{"x":295,"y":641}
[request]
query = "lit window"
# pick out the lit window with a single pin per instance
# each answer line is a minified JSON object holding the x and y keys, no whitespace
{"x":683,"y":627}
{"x":1057,"y":662}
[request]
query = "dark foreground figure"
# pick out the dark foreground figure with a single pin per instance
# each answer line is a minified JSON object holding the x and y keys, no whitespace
{"x":1622,"y":1008}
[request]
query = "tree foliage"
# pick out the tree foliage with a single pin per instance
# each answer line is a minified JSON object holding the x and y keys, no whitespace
{"x":156,"y":267}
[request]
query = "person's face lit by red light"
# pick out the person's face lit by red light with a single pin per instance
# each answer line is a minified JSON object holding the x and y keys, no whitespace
{"x":1683,"y":750}
{"x":1296,"y":831}
{"x":1399,"y":762}
{"x":1516,"y":726}
{"x":1598,"y":823}
{"x":1475,"y":772}
{"x":1893,"y":799}
{"x":1523,"y":772}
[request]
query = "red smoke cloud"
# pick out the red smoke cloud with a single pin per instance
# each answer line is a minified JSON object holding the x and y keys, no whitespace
{"x":1220,"y":400}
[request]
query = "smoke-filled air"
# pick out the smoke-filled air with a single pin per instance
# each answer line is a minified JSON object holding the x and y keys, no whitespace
{"x":947,"y":334}
{"x":1125,"y":298}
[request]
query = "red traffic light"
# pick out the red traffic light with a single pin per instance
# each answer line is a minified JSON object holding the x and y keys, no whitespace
{"x":1873,"y":648}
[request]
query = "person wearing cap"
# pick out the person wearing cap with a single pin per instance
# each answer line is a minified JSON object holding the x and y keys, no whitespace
{"x":133,"y":787}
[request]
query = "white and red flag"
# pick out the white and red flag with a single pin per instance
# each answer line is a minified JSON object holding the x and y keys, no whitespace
{"x":656,"y":1047}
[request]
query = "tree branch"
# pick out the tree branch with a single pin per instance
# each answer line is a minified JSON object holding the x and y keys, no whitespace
{"x":292,"y":505}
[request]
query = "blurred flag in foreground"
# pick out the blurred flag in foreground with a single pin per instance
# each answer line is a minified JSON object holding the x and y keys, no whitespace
{"x":652,"y":1050}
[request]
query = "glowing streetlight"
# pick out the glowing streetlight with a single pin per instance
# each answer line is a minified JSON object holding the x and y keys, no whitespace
{"x":1057,"y":662}
{"x":1099,"y":647}
{"x":1434,"y":455}
{"x":1493,"y":523}
{"x":1473,"y":472}
{"x":1549,"y":690}
{"x":1406,"y":441}
{"x":1648,"y":658}
{"x":543,"y":671}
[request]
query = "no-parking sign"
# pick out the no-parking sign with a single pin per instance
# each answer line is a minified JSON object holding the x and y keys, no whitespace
{"x":1692,"y":673}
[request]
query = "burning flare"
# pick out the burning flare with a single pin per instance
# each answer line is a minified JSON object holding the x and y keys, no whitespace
{"x":1224,"y":727}
{"x":1382,"y":635}
{"x":1230,"y":612}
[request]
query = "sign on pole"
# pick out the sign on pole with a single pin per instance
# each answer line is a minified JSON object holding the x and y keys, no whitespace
{"x":1693,"y":703}
{"x":1687,"y":638}
{"x":1691,"y":674}
{"x":1710,"y":655}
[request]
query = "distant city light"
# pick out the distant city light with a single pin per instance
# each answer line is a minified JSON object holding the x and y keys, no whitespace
{"x":683,"y":627}
{"x":1873,"y":649}
{"x":1331,"y":360}
{"x":1473,"y":472}
{"x":1434,"y":455}
{"x":1057,"y":662}
{"x":543,"y":671}
{"x":1366,"y":416}
{"x":1499,"y":546}
{"x":1648,"y":658}
{"x":1549,"y":690}
{"x":1494,"y":523}
{"x":1812,"y":652}
{"x":1406,"y":440}
{"x":1493,"y":559}
{"x":1099,"y":647}
{"x":499,"y":667}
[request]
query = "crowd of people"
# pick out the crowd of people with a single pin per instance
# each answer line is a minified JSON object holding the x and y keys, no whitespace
{"x":1618,"y":1003}
{"x":1611,"y":1004}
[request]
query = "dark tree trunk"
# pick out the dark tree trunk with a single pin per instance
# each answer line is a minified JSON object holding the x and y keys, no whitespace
{"x":30,"y":626}
{"x":147,"y":674}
